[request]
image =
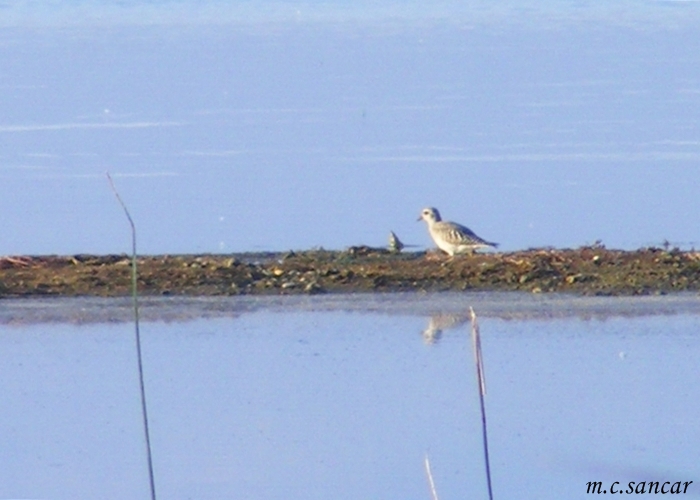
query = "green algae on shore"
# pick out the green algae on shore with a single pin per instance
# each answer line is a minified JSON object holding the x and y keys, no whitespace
{"x":586,"y":270}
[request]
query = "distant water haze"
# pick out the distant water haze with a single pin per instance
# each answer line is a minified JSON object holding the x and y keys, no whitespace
{"x":273,"y":127}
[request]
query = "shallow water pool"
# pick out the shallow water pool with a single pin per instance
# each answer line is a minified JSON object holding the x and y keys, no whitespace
{"x":343,"y":397}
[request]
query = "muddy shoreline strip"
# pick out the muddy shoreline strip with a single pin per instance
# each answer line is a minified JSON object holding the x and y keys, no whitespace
{"x":586,"y":271}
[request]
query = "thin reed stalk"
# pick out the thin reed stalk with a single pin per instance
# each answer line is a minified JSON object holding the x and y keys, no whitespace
{"x":481,"y":380}
{"x":135,"y":301}
{"x":431,"y":483}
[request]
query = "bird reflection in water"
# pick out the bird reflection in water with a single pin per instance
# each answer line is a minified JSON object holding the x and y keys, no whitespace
{"x":440,"y":322}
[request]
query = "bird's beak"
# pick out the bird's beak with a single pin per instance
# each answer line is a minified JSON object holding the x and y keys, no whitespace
{"x":420,"y":218}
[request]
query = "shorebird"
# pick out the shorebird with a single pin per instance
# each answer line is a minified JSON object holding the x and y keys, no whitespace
{"x":395,"y":244}
{"x":451,"y":237}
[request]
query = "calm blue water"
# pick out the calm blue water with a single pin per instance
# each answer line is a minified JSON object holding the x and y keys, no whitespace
{"x":276,"y":125}
{"x":296,"y":400}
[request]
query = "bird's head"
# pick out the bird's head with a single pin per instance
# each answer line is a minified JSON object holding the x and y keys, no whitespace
{"x":430,"y":215}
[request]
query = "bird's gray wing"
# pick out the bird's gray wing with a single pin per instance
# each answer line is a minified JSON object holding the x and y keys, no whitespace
{"x":457,"y":233}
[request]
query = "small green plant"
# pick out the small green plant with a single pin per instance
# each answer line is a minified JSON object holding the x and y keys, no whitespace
{"x":135,"y":301}
{"x":481,"y":381}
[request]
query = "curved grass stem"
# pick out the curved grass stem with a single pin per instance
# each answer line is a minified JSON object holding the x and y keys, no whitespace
{"x":135,"y":301}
